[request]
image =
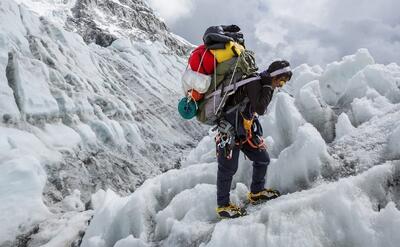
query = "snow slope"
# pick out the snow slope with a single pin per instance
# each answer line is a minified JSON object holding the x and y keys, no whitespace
{"x":78,"y":116}
{"x":333,"y":136}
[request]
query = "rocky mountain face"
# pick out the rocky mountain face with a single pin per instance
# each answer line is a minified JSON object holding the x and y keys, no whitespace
{"x":102,"y":22}
{"x":88,"y":100}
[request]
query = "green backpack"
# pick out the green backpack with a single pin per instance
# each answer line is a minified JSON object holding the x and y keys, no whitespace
{"x":226,"y":74}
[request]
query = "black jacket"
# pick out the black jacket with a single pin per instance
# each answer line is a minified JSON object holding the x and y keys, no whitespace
{"x":259,"y":94}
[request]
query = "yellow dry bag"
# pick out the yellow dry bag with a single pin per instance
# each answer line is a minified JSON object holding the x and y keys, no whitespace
{"x":231,"y":50}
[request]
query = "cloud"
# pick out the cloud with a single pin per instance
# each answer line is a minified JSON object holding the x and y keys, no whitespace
{"x":307,"y":31}
{"x":172,"y":10}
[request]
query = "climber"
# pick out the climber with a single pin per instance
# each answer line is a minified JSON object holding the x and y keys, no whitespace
{"x":239,"y":129}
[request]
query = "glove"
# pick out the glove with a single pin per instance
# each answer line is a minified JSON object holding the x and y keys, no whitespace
{"x":257,"y":128}
{"x":236,"y":36}
{"x":265,"y":79}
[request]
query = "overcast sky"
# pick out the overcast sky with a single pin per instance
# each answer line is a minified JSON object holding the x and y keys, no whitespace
{"x":301,"y":31}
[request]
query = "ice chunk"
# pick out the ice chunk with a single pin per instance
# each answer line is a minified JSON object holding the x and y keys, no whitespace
{"x":130,"y":241}
{"x":197,"y":204}
{"x":343,"y":126}
{"x":86,"y":133}
{"x":12,"y":27}
{"x":122,"y":45}
{"x":30,"y":79}
{"x":367,"y":107}
{"x":302,"y":75}
{"x":300,"y":164}
{"x":17,"y":143}
{"x":203,"y":153}
{"x":21,"y":184}
{"x":281,"y":122}
{"x":134,"y":214}
{"x":394,"y":144}
{"x":316,"y":111}
{"x":105,"y":132}
{"x":58,"y":136}
{"x":337,"y":74}
{"x":107,"y":204}
{"x":385,"y":224}
{"x":73,"y":202}
{"x":378,"y":77}
{"x":381,"y":78}
{"x":61,"y":230}
{"x":132,"y":134}
{"x":8,"y":106}
{"x":343,"y":212}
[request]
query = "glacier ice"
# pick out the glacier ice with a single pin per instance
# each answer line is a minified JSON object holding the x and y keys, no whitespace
{"x":78,"y":118}
{"x":322,"y":204}
{"x":343,"y":126}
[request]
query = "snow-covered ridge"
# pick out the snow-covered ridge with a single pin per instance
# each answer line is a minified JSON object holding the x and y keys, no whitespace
{"x":103,"y":21}
{"x":78,"y":116}
{"x":333,"y":136}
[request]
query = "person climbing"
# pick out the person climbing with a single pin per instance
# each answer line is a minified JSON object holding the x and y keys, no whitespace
{"x":240,"y":130}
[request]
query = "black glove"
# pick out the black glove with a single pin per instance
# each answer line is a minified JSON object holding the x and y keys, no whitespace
{"x":257,"y":128}
{"x":237,"y":37}
{"x":265,"y":78}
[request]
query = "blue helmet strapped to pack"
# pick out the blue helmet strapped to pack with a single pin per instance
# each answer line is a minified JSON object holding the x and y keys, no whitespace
{"x":187,"y":108}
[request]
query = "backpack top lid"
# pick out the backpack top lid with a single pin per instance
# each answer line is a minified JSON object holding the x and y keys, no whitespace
{"x":215,"y":37}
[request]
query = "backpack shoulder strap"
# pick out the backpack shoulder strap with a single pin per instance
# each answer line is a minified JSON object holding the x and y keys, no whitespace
{"x":239,"y":106}
{"x":234,"y":87}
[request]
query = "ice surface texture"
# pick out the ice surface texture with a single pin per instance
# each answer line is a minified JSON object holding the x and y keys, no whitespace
{"x":78,"y":116}
{"x":334,"y":150}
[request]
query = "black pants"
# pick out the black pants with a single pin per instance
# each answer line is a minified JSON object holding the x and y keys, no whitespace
{"x":228,"y":167}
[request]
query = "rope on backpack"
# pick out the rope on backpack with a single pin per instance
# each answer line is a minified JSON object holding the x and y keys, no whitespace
{"x":224,"y":98}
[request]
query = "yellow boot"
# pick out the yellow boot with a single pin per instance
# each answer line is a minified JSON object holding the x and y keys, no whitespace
{"x":230,"y":211}
{"x":262,"y":196}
